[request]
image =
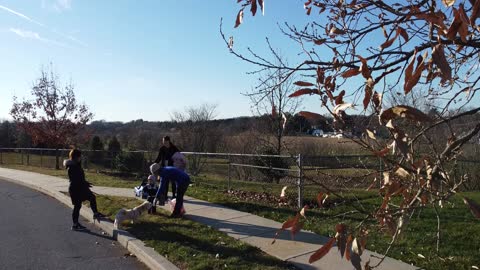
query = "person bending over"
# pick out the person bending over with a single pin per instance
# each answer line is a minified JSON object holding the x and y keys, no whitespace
{"x":182,"y":181}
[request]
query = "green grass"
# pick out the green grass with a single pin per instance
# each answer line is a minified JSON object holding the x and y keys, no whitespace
{"x":188,"y":244}
{"x":460,"y":231}
{"x":460,"y":237}
{"x":97,"y":179}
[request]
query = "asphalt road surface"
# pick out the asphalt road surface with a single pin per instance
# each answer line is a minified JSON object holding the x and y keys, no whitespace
{"x":35,"y":233}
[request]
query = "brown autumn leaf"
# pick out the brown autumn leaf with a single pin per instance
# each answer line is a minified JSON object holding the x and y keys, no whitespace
{"x":304,"y":91}
{"x":440,"y":60}
{"x":416,"y":75}
{"x":287,"y":224}
{"x":403,"y":33}
{"x":475,"y":13}
{"x":342,"y":107}
{"x":253,"y":7}
{"x":370,"y":134}
{"x":382,"y":152}
{"x":320,"y":75}
{"x":366,"y":73}
{"x":341,"y":228}
{"x":402,"y":173}
{"x":336,"y":31}
{"x":474,"y":207}
{"x":282,"y":194}
{"x":455,"y":26}
{"x":261,"y":4}
{"x":303,"y":211}
{"x":389,"y":42}
{"x":239,"y":18}
{"x":309,"y":10}
{"x":319,"y":199}
{"x":351,"y":72}
{"x":356,"y":247}
{"x":312,"y":116}
{"x":448,"y":3}
{"x":348,"y":247}
{"x":405,"y":112}
{"x":301,"y":83}
{"x":296,"y":228}
{"x":409,"y":69}
{"x":322,"y":251}
{"x":325,"y":199}
{"x":435,"y":18}
{"x":368,"y":92}
{"x":339,"y":98}
{"x":463,"y":30}
{"x":319,"y":41}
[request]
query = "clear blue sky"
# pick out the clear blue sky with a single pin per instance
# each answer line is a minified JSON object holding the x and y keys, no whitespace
{"x":137,"y":59}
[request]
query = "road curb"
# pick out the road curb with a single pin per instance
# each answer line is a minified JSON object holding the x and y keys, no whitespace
{"x":146,"y":255}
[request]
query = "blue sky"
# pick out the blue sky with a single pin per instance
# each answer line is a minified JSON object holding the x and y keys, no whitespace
{"x":137,"y":59}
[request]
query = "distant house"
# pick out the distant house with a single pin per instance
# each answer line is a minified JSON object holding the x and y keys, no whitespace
{"x":317,"y":133}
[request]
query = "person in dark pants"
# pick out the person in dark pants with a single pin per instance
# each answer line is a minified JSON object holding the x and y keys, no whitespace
{"x":182,"y":181}
{"x":79,"y":188}
{"x":164,"y":158}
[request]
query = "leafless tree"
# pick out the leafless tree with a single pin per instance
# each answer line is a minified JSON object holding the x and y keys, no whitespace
{"x":197,"y":132}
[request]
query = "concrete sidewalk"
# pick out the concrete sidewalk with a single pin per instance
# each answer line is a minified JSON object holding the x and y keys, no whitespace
{"x":251,"y":229}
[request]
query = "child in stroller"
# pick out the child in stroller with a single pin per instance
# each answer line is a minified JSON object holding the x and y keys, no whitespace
{"x":148,"y":190}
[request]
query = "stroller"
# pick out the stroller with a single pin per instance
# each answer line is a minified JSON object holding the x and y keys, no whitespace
{"x":139,"y":190}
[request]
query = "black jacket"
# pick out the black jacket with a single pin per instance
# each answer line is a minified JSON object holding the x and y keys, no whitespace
{"x":79,"y":188}
{"x":165,"y":154}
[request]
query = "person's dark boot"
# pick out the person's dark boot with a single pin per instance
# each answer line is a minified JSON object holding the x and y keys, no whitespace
{"x":78,"y":227}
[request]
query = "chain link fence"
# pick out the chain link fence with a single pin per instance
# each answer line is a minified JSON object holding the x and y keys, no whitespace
{"x":241,"y":175}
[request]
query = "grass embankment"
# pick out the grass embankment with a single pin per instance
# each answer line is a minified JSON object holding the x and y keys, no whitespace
{"x":459,"y":238}
{"x":188,"y":244}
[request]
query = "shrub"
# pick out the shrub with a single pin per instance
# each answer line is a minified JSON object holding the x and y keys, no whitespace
{"x":271,"y":175}
{"x":132,"y":162}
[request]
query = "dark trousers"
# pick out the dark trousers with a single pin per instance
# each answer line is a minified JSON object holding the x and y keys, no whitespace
{"x":179,"y":202}
{"x":153,"y":209}
{"x":174,"y":189}
{"x":76,"y":207}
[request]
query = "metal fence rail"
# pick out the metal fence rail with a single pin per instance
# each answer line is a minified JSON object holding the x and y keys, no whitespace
{"x":232,"y":171}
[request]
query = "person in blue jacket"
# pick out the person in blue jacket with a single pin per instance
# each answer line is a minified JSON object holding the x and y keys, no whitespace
{"x":182,"y":181}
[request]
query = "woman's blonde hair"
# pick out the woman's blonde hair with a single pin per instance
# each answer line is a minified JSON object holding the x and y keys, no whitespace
{"x":74,"y":154}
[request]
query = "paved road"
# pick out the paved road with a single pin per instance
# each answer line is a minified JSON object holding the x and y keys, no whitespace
{"x":35,"y":234}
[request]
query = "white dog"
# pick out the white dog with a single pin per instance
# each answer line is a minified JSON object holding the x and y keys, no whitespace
{"x":131,"y":214}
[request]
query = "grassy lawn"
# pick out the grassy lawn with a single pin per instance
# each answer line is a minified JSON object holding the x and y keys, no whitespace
{"x":460,"y":237}
{"x":188,"y":244}
{"x":97,"y":179}
{"x":460,"y":231}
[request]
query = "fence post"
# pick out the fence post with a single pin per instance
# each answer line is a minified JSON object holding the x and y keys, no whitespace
{"x":41,"y":158}
{"x":21,"y":151}
{"x":300,"y":181}
{"x":229,"y":172}
{"x":1,"y":156}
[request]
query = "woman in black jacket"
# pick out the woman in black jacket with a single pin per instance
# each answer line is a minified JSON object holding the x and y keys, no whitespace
{"x":164,"y":158}
{"x":79,"y":188}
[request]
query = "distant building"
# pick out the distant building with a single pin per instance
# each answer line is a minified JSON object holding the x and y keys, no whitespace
{"x":317,"y":132}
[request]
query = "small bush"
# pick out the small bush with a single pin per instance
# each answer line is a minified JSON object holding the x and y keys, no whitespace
{"x":131,"y":162}
{"x":271,"y":175}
